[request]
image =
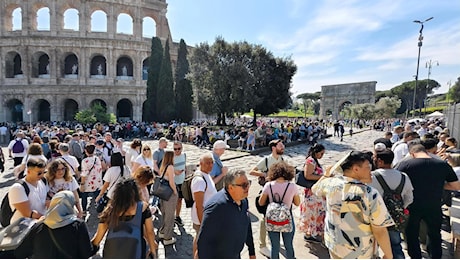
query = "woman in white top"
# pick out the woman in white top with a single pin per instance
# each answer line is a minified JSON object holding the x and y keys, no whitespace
{"x":133,"y":152}
{"x":35,"y":151}
{"x":145,"y":158}
{"x":114,"y":174}
{"x":59,"y":178}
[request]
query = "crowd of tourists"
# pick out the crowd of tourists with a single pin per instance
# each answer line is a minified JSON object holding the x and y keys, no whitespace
{"x":344,"y":208}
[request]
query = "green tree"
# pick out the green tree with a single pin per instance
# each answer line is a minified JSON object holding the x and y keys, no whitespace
{"x":85,"y":116}
{"x":183,"y":89}
{"x":454,"y":92}
{"x":165,"y":100}
{"x":405,"y":92}
{"x":387,"y":106}
{"x":155,"y":60}
{"x":97,"y":113}
{"x":310,"y":102}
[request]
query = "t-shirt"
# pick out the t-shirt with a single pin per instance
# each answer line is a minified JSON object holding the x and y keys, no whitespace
{"x":262,"y":166}
{"x":158,"y":155}
{"x":198,"y":184}
{"x":393,"y":178}
{"x":93,"y":178}
{"x":72,"y":161}
{"x":279,"y":188}
{"x":36,"y":198}
{"x":179,"y":164}
{"x":217,"y":166}
{"x":61,"y":184}
{"x":428,"y":176}
{"x":144,"y":161}
{"x":113,"y":176}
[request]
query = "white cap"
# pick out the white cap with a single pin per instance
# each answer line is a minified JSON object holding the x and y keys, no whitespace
{"x":380,"y":147}
{"x":219,"y":144}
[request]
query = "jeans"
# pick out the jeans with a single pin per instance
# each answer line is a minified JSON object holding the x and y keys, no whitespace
{"x":287,"y":241}
{"x":84,"y":198}
{"x":395,"y":240}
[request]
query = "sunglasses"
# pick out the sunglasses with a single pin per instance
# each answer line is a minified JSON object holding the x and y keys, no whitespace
{"x":177,"y":149}
{"x":146,"y":149}
{"x":41,"y":173}
{"x":243,"y":185}
{"x":61,"y":169}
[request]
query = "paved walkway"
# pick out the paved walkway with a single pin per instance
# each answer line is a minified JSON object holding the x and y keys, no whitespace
{"x":335,"y":149}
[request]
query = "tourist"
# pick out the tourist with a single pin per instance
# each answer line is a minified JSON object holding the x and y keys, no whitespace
{"x":218,"y":169}
{"x":91,"y":176}
{"x":180,"y":162}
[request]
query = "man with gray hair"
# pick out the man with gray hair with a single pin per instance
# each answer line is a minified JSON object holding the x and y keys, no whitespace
{"x":229,"y":204}
{"x":71,"y":161}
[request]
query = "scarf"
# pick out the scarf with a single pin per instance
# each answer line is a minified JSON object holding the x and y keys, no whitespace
{"x":61,"y":210}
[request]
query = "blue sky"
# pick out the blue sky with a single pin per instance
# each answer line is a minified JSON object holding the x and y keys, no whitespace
{"x":334,"y":41}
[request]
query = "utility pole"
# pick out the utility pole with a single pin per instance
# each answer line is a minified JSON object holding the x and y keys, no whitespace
{"x":428,"y":65}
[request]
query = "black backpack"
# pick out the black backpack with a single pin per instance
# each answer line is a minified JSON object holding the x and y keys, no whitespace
{"x":394,"y":202}
{"x":187,"y":189}
{"x":6,"y":212}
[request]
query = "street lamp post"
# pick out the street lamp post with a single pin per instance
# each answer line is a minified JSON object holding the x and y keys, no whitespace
{"x":420,"y":39}
{"x":428,"y":65}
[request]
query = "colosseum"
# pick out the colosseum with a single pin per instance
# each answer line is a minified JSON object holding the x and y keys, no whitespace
{"x":58,"y":57}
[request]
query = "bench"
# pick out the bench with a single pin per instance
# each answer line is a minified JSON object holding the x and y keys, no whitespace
{"x":454,"y":212}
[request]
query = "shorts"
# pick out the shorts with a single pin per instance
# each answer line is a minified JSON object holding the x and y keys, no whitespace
{"x":179,"y":191}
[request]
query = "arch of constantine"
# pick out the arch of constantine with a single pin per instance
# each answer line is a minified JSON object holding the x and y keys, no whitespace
{"x":335,"y":97}
{"x":54,"y":71}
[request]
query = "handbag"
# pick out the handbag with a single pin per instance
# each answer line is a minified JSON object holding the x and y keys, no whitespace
{"x":301,"y":180}
{"x":261,"y":209}
{"x":102,"y":203}
{"x":161,"y":188}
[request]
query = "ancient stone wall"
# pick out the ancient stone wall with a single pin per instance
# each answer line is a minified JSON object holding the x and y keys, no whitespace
{"x":335,"y":97}
{"x":55,"y":72}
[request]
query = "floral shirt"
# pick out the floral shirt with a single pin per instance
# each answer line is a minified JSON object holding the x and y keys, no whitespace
{"x":318,"y":169}
{"x":61,"y":184}
{"x":91,"y":169}
{"x":352,"y":207}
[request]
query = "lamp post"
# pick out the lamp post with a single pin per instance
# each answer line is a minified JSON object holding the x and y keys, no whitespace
{"x":428,"y":65}
{"x":420,"y":39}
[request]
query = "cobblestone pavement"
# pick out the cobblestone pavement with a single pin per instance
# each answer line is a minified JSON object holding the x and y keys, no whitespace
{"x":335,"y":149}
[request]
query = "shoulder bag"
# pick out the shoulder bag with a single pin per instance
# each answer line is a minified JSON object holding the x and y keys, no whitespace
{"x":161,"y":188}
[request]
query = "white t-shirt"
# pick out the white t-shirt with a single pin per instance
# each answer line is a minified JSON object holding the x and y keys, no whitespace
{"x":198,"y":184}
{"x":61,"y":184}
{"x":70,"y":159}
{"x":400,"y":150}
{"x":144,"y":161}
{"x":130,"y":156}
{"x":36,"y":198}
{"x":113,"y":176}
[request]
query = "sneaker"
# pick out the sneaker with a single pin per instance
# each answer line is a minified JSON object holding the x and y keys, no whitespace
{"x":265,"y":251}
{"x":161,"y":235}
{"x":168,"y":242}
{"x":178,"y":221}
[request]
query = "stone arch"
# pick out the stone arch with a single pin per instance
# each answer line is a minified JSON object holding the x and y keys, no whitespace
{"x":40,"y":65}
{"x":70,"y":109}
{"x":41,"y":110}
{"x":71,"y":66}
{"x":124,"y":68}
{"x":13,"y":65}
{"x":13,"y":17}
{"x":125,"y":24}
{"x":343,"y":104}
{"x":148,"y":27}
{"x":99,"y":21}
{"x":15,"y":108}
{"x":145,"y":69}
{"x":98,"y":101}
{"x":335,"y":96}
{"x":98,"y":67}
{"x":71,"y":19}
{"x":124,"y":110}
{"x":43,"y":19}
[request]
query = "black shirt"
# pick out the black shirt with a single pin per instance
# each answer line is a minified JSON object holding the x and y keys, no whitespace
{"x":428,"y":176}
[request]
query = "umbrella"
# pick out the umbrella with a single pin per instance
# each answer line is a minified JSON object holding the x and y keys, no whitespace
{"x":435,"y":114}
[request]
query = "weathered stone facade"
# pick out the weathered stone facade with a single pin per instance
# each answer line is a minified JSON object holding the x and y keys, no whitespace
{"x":55,"y":73}
{"x":335,"y":97}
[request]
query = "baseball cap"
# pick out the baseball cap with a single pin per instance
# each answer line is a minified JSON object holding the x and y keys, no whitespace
{"x":219,"y":144}
{"x":380,"y":147}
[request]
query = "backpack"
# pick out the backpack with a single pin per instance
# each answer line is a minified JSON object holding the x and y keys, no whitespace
{"x":187,"y":189}
{"x":6,"y":211}
{"x":125,"y":240}
{"x":18,"y":146}
{"x":394,"y":202}
{"x":278,"y":217}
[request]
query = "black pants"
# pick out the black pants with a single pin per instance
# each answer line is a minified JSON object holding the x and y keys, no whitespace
{"x":17,"y":160}
{"x":431,"y":213}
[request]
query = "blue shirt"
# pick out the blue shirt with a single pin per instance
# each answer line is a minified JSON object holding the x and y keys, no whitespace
{"x":217,"y":166}
{"x":225,"y":228}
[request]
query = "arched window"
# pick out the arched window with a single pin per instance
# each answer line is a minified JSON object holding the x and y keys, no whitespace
{"x":99,"y":21}
{"x":149,"y":29}
{"x":125,"y":24}
{"x":43,"y":19}
{"x":17,"y":19}
{"x":71,"y":19}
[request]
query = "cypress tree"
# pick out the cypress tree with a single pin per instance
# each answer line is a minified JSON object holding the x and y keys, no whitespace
{"x":155,"y":60}
{"x":183,"y":89}
{"x":165,"y":95}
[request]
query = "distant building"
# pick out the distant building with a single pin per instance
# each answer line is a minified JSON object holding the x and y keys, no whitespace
{"x":335,"y":97}
{"x":54,"y":71}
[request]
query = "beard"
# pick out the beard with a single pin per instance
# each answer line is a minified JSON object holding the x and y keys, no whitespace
{"x":279,"y":151}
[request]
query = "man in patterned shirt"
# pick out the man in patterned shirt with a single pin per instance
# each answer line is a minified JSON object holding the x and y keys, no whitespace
{"x":356,"y":216}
